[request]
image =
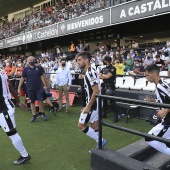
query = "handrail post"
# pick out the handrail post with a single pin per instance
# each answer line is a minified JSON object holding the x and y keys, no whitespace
{"x":100,"y":121}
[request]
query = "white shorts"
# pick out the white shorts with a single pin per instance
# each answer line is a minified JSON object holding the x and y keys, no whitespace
{"x":90,"y":117}
{"x":157,"y":129}
{"x":7,"y":120}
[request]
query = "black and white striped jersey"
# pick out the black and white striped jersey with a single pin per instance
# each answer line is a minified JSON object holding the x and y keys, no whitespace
{"x":163,"y":95}
{"x":90,"y":79}
{"x":163,"y":92}
{"x":4,"y":90}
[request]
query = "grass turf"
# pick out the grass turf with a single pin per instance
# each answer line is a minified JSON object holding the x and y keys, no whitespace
{"x":57,"y":144}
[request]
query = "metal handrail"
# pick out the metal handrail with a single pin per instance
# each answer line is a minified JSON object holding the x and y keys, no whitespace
{"x":127,"y":100}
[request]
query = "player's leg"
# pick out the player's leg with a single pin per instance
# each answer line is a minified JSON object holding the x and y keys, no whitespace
{"x":95,"y":126}
{"x":161,"y":131}
{"x":82,"y":125}
{"x":7,"y":122}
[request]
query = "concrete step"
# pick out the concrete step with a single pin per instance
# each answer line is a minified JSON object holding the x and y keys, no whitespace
{"x":158,"y":160}
{"x":139,"y":150}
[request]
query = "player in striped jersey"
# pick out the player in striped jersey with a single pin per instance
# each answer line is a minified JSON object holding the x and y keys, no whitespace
{"x":89,"y":114}
{"x":7,"y":121}
{"x":162,"y":96}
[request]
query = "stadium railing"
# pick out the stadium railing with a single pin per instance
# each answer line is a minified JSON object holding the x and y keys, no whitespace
{"x":132,"y":101}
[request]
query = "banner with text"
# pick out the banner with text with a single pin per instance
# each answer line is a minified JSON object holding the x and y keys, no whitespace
{"x":82,"y":23}
{"x":42,"y":34}
{"x":16,"y":40}
{"x":139,"y":9}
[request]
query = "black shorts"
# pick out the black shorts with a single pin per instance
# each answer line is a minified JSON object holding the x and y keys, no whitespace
{"x":36,"y":95}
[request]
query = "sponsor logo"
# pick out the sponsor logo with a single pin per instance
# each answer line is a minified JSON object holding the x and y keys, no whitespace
{"x":43,"y":34}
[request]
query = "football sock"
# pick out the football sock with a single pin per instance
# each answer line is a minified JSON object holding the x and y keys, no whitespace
{"x":17,"y":142}
{"x":91,"y":133}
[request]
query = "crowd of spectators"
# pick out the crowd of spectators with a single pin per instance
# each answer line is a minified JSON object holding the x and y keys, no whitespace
{"x":132,"y":61}
{"x":49,"y":15}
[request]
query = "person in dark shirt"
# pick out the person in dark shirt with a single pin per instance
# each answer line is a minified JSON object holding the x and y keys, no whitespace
{"x":159,"y":62}
{"x":34,"y":79}
{"x":138,"y":69}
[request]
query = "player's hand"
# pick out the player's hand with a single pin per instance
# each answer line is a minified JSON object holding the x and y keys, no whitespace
{"x":22,"y":106}
{"x":162,"y":113}
{"x":86,"y":109}
{"x":19,"y":91}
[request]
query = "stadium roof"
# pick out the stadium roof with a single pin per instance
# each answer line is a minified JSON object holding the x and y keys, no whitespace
{"x":10,"y":6}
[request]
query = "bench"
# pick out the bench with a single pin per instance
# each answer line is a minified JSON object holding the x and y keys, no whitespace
{"x":133,"y":106}
{"x":128,"y":107}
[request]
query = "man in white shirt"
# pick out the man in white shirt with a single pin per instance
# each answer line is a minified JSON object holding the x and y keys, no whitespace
{"x":63,"y":82}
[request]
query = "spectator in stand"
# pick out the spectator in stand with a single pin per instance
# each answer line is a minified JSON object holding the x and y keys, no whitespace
{"x":81,"y":46}
{"x":123,"y":52}
{"x":128,"y":63}
{"x":86,"y":46}
{"x":119,"y":66}
{"x":162,"y":56}
{"x":138,"y":68}
{"x":72,"y":48}
{"x":138,"y":56}
{"x":154,"y":53}
{"x":58,"y":51}
{"x":167,"y":49}
{"x":146,"y":53}
{"x":148,"y":61}
{"x":114,"y":59}
{"x":135,"y":45}
{"x":159,"y":62}
{"x":132,"y":53}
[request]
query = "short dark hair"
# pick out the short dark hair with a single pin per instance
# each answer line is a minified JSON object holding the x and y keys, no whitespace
{"x":63,"y":59}
{"x":153,"y":68}
{"x":85,"y":55}
{"x":157,"y":56}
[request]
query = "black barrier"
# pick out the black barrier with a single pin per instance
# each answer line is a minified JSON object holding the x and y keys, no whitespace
{"x":127,"y":100}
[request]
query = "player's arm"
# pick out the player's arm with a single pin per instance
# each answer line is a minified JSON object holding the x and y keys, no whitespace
{"x":14,"y":93}
{"x":20,"y":84}
{"x":96,"y":90}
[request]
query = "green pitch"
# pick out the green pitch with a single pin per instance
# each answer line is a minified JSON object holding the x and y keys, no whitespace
{"x":58,"y":144}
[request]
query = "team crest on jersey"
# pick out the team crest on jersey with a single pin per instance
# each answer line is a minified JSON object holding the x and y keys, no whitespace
{"x":93,"y":79}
